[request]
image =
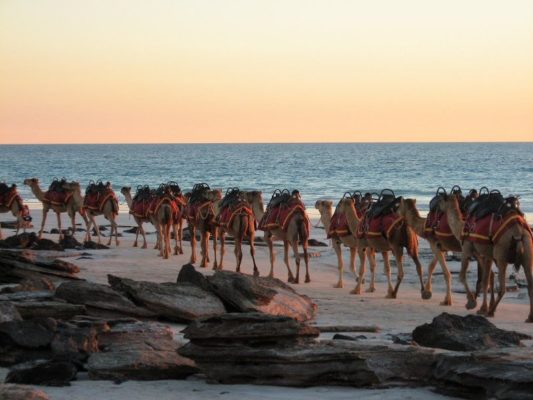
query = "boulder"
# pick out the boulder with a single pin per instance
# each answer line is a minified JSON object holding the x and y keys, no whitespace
{"x":69,"y":241}
{"x":52,"y":309}
{"x":140,"y":351}
{"x":29,"y":334}
{"x":17,"y":266}
{"x":189,"y":274}
{"x":471,"y":332}
{"x":89,"y":244}
{"x":21,"y":392}
{"x":76,"y":340}
{"x":43,"y":372}
{"x":8,"y":312}
{"x":99,"y":296}
{"x":183,"y":302}
{"x":246,"y":293}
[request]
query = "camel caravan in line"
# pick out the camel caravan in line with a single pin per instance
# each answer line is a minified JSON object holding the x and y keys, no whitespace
{"x":59,"y":200}
{"x":10,"y":201}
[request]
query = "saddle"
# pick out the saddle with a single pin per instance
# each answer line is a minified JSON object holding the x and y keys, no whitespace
{"x":387,"y":203}
{"x":492,"y":202}
{"x":96,"y":195}
{"x":143,"y":193}
{"x":57,"y":185}
{"x":281,"y":208}
{"x":199,"y":193}
{"x":5,"y":188}
{"x":232,"y":198}
{"x":97,"y":187}
{"x":8,"y":194}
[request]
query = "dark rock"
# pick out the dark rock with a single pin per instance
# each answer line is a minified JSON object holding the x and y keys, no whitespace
{"x":26,"y":296}
{"x":76,"y":340}
{"x":9,"y":224}
{"x":141,"y":351}
{"x":340,"y":336}
{"x":89,"y":244}
{"x":46,"y":244}
{"x":402,"y":338}
{"x":30,"y":334}
{"x":188,"y":274}
{"x":32,"y":284}
{"x":21,"y":392}
{"x":8,"y":312}
{"x":472,"y":332}
{"x":250,"y":328}
{"x":316,"y":243}
{"x":131,"y":230}
{"x":494,"y":374}
{"x":70,"y":242}
{"x":17,"y":266}
{"x":99,"y":296}
{"x":183,"y":302}
{"x":52,"y":309}
{"x":43,"y":372}
{"x":246,"y":293}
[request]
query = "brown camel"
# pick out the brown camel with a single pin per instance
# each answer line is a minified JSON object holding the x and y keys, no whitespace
{"x":126,"y":192}
{"x":515,"y":243}
{"x":399,"y":238}
{"x":73,"y":205}
{"x":201,"y":216}
{"x":325,"y":208}
{"x":296,"y":231}
{"x":14,"y":205}
{"x":109,"y":210}
{"x":439,"y":245}
{"x":246,"y":208}
{"x":164,"y":217}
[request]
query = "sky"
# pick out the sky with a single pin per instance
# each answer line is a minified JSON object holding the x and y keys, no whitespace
{"x":180,"y":71}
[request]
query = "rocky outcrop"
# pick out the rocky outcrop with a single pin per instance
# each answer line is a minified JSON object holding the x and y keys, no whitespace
{"x":43,"y":372}
{"x":246,"y":293}
{"x":176,"y":302}
{"x":35,"y":333}
{"x":100,"y":296}
{"x":471,"y":332}
{"x":139,"y":351}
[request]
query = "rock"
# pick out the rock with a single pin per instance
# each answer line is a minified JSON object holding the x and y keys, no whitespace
{"x":76,"y":340}
{"x":69,"y":242}
{"x":52,"y":309}
{"x":316,"y":243}
{"x":17,"y":266}
{"x":249,"y":327}
{"x":9,"y":224}
{"x":494,"y":374}
{"x":183,"y":302}
{"x":30,"y":334}
{"x":45,"y":244}
{"x":89,"y":244}
{"x":141,"y":351}
{"x":246,"y":293}
{"x":32,"y":284}
{"x":131,"y":230}
{"x":472,"y":332}
{"x":340,"y":336}
{"x":24,"y":296}
{"x":101,"y":297}
{"x":8,"y":312}
{"x":21,"y":392}
{"x":188,"y":274}
{"x":43,"y":372}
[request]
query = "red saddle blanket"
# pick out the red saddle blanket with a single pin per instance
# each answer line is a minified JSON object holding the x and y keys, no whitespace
{"x":7,"y":198}
{"x":96,"y":201}
{"x":382,"y":226}
{"x":280,"y":216}
{"x":227,"y":214}
{"x":437,"y":225}
{"x":490,"y":228}
{"x":156,"y":203}
{"x":140,"y":208}
{"x":195,"y":211}
{"x":57,"y":198}
{"x":338,"y":226}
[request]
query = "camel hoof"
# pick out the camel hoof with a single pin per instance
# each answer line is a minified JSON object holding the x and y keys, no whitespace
{"x":134,"y":244}
{"x":339,"y":285}
{"x":181,"y":251}
{"x":370,"y":290}
{"x":356,"y":290}
{"x":426,"y":294}
{"x":176,"y":252}
{"x":471,"y":304}
{"x":307,"y":279}
{"x":117,"y":243}
{"x":390,"y":295}
{"x":529,"y":320}
{"x":271,"y":275}
{"x":256,"y":273}
{"x":144,"y":246}
{"x":490,"y":314}
{"x":446,"y":303}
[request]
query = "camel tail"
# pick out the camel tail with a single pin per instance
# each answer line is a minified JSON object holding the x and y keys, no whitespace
{"x":524,"y":250}
{"x":410,"y":240}
{"x":167,"y":216}
{"x":303,"y":230}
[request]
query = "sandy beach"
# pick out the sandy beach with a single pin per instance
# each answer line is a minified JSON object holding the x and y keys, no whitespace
{"x":335,"y":307}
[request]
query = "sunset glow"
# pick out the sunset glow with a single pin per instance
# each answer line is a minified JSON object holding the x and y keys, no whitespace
{"x":132,"y":71}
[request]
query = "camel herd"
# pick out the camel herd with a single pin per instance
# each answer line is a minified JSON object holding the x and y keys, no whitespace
{"x":366,"y":225}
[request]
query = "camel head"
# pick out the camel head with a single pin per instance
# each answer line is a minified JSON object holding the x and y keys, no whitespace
{"x":255,"y":198}
{"x":449,"y":202}
{"x":125,"y":190}
{"x":323,"y":206}
{"x":31,"y":181}
{"x":346,"y":204}
{"x":407,"y":206}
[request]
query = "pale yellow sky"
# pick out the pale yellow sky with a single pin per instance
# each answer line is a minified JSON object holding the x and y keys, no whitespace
{"x":126,"y":71}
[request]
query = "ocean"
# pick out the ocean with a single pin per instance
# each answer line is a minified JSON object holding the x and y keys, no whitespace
{"x":323,"y":171}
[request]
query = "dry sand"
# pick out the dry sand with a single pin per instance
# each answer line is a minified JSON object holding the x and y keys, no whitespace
{"x":335,"y":307}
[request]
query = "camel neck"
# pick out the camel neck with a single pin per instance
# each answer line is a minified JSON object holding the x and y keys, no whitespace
{"x":36,"y":190}
{"x":352,"y":218}
{"x":129,"y":200}
{"x":415,"y":221}
{"x":325,"y":217}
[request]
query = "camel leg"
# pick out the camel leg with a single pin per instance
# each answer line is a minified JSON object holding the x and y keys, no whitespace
{"x":294,"y":246}
{"x":45,"y":213}
{"x":502,"y":269}
{"x":168,"y":246}
{"x":73,"y":221}
{"x":483,"y":310}
{"x":238,"y":251}
{"x":362,"y":269}
{"x":290,"y":278}
{"x":59,"y":226}
{"x":386,"y":263}
{"x":398,"y":255}
{"x":205,"y":249}
{"x":114,"y":225}
{"x":252,"y":253}
{"x":471,"y":299}
{"x":271,"y":252}
{"x":192,"y":231}
{"x":419,"y":271}
{"x":447,"y":278}
{"x":340,"y":262}
{"x":143,"y":233}
{"x":222,"y":235}
{"x":215,"y":238}
{"x":527,"y":265}
{"x":92,"y":219}
{"x":306,"y":260}
{"x":427,"y":293}
{"x":160,"y":240}
{"x":135,"y":243}
{"x":373,"y":265}
{"x":353,"y":254}
{"x":180,"y":235}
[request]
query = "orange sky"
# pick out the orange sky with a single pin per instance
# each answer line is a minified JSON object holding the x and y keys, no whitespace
{"x":118,"y":71}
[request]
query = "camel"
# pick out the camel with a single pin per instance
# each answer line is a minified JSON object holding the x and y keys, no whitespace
{"x":296,"y":231}
{"x":74,"y":205}
{"x":439,"y":246}
{"x":400,"y":238}
{"x":204,"y":221}
{"x":16,"y":208}
{"x":515,"y":240}
{"x":126,"y":192}
{"x":242,"y":226}
{"x":325,"y":208}
{"x":109,"y":211}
